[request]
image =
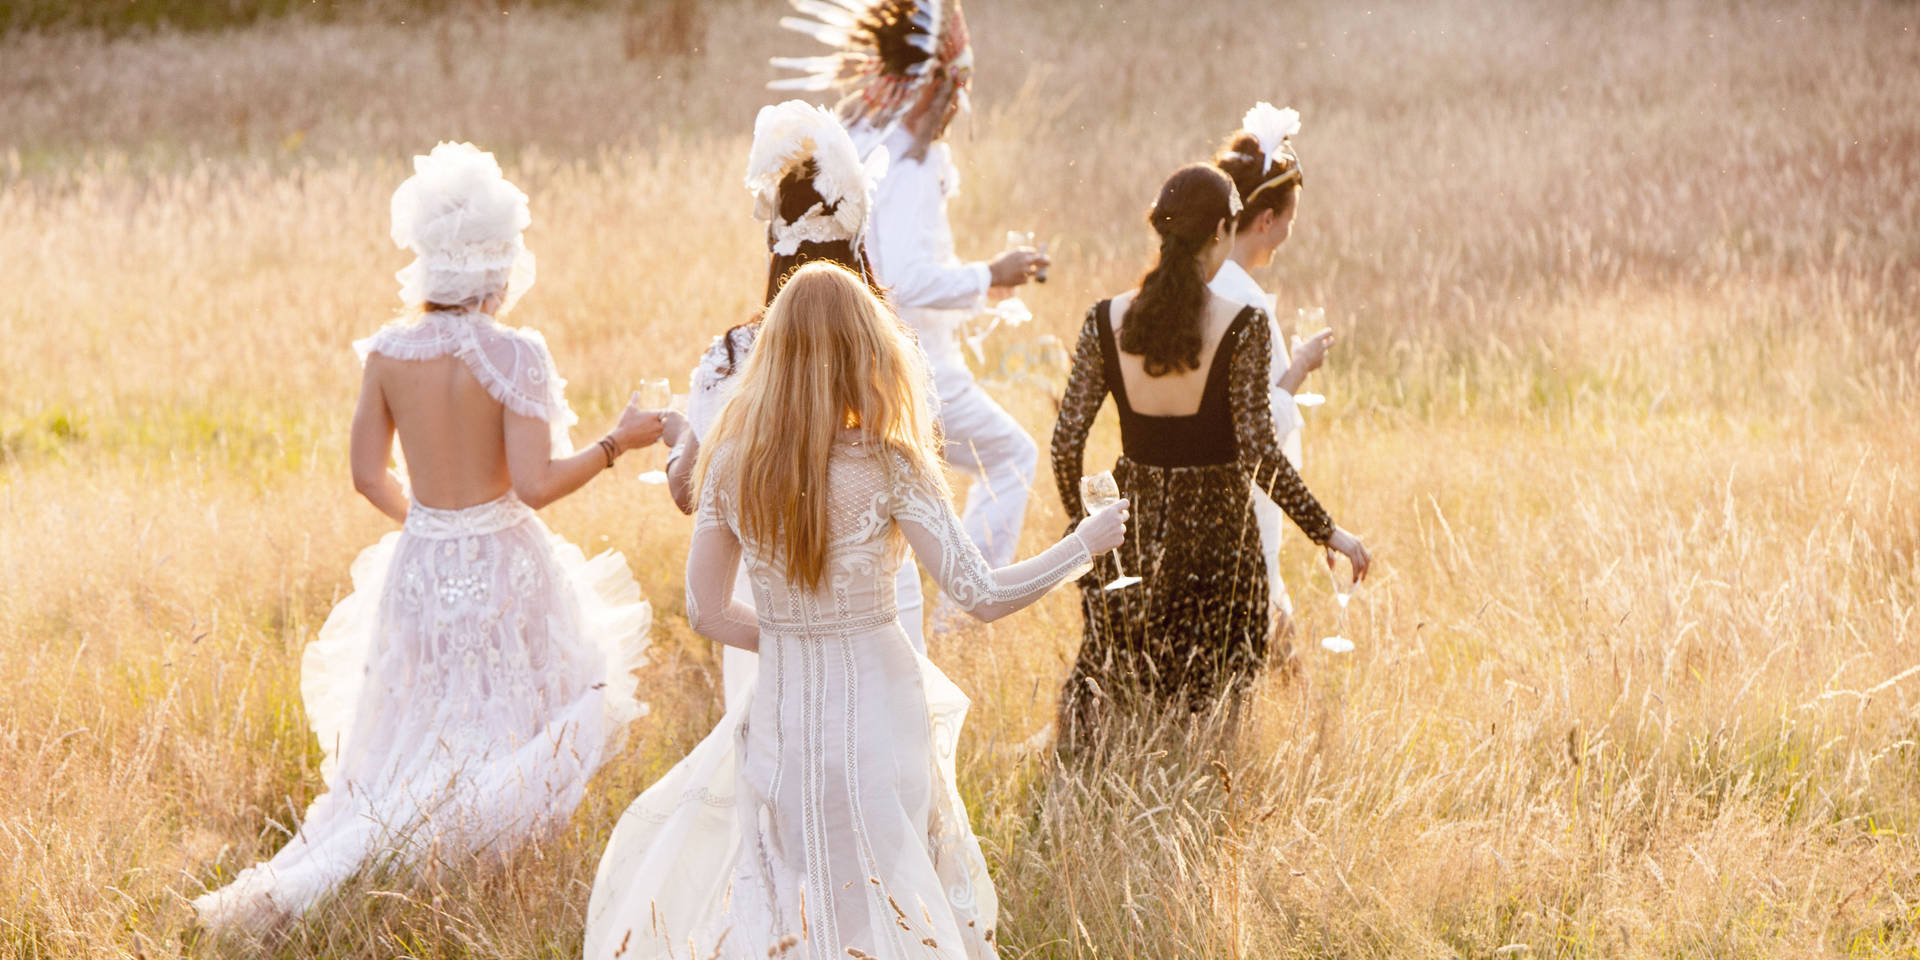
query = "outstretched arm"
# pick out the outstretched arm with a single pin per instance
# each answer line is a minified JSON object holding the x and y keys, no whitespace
{"x":712,"y":560}
{"x":933,"y":530}
{"x":371,"y":448}
{"x":540,"y":478}
{"x":1086,"y":391}
{"x":1260,"y":454}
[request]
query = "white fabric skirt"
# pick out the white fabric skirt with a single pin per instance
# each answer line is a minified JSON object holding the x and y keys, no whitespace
{"x":818,"y":820}
{"x":463,"y":695}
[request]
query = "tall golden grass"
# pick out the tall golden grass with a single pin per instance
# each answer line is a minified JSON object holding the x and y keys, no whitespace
{"x":1624,"y":402}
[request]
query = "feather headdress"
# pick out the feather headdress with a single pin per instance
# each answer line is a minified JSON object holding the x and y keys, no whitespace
{"x":787,"y":136}
{"x":888,"y":52}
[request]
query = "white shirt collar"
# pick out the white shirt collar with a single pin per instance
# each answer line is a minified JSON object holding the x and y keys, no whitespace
{"x":1236,"y":284}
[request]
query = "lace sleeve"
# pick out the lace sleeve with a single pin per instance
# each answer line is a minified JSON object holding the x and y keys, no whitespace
{"x":712,"y":560}
{"x":1261,"y":456}
{"x":934,"y":532}
{"x":1086,"y":392}
{"x":517,"y":369}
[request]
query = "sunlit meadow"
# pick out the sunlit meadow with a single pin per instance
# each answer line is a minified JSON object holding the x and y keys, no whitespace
{"x":1624,"y":401}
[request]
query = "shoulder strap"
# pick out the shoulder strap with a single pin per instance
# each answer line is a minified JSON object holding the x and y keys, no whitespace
{"x":1217,"y":386}
{"x":1110,"y":355}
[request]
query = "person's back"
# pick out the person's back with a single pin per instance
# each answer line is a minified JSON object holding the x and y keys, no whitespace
{"x":1188,"y":370}
{"x":1177,"y":393}
{"x":452,"y":432}
{"x":481,"y":669}
{"x":843,"y":755}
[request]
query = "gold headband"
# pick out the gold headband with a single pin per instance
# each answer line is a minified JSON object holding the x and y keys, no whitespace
{"x":1289,"y":174}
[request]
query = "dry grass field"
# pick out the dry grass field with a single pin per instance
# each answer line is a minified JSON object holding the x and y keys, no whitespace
{"x":1625,"y":403}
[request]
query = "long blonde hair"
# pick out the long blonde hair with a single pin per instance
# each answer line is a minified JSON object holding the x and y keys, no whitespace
{"x":829,"y":356}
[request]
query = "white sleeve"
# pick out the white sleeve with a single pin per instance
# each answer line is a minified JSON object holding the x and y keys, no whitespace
{"x":941,"y":543}
{"x":712,"y":560}
{"x":909,"y":213}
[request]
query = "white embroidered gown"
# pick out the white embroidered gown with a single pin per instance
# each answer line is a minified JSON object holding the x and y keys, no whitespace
{"x":712,"y":382}
{"x":474,"y":680}
{"x":820,"y":820}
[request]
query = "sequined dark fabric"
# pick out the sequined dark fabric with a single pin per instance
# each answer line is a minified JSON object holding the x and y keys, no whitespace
{"x":1197,"y":627}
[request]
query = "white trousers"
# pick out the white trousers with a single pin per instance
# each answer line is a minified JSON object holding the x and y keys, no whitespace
{"x":738,"y":667}
{"x":985,"y":442}
{"x":1287,"y":422}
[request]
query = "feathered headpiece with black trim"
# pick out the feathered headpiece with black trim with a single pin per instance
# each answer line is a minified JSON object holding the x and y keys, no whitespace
{"x":890,"y":53}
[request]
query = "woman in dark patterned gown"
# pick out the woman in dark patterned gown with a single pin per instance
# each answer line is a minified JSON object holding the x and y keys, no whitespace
{"x":1188,"y":370}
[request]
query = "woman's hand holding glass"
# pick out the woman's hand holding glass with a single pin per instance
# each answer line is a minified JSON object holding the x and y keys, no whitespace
{"x":1105,"y":529}
{"x":638,"y":427}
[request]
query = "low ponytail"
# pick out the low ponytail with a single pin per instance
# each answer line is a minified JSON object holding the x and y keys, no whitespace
{"x":1163,"y":324}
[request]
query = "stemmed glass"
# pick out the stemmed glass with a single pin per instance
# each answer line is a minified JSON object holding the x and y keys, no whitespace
{"x":1097,"y":492}
{"x":1342,"y":594}
{"x":1311,"y":319}
{"x":655,"y":395}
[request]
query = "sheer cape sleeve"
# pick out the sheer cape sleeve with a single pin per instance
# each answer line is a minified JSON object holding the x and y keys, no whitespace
{"x":1086,"y":392}
{"x":934,"y":532}
{"x":512,"y":363}
{"x":1261,"y":456}
{"x":713,"y":558}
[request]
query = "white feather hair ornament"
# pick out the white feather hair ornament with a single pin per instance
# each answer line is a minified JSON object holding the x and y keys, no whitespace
{"x":786,"y":135}
{"x":1271,"y":126}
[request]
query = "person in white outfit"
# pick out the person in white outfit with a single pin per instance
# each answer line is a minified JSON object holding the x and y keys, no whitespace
{"x":481,"y":670}
{"x":1261,"y":160}
{"x":821,"y":818}
{"x":904,"y":66}
{"x":813,"y":191}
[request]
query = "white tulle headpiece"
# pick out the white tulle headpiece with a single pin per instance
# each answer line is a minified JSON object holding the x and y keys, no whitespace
{"x":1271,"y":126}
{"x":786,"y":135}
{"x":462,"y":220}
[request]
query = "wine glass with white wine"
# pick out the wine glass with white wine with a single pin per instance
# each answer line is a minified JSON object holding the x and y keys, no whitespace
{"x":655,"y":395}
{"x":1097,"y":492}
{"x":1342,"y":595}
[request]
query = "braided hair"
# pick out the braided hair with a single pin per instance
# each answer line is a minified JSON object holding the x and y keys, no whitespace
{"x":1163,"y":324}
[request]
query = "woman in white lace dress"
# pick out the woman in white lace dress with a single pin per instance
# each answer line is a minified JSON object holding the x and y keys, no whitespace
{"x":821,"y":820}
{"x":481,"y":670}
{"x":813,"y":191}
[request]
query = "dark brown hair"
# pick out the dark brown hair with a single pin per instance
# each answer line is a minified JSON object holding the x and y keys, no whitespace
{"x":1163,"y":324}
{"x":796,"y":195}
{"x":1240,"y":157}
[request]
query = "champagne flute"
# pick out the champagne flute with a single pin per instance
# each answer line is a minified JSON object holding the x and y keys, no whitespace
{"x":1023,"y":240}
{"x":1311,"y":320}
{"x":1342,"y":594}
{"x":1097,"y":492}
{"x":655,"y":395}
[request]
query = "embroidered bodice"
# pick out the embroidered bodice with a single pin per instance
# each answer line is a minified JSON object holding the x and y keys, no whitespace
{"x":512,"y":363}
{"x":876,"y":511}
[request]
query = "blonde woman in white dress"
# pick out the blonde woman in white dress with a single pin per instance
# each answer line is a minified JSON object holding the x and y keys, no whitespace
{"x":820,"y":820}
{"x":813,"y":191}
{"x":481,"y":670}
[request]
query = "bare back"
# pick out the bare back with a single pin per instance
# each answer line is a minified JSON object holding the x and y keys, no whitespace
{"x":1175,"y":394}
{"x":452,"y":431}
{"x":467,"y":397}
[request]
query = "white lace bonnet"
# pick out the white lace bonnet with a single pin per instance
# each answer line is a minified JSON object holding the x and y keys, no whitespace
{"x":786,"y":135}
{"x":462,"y":220}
